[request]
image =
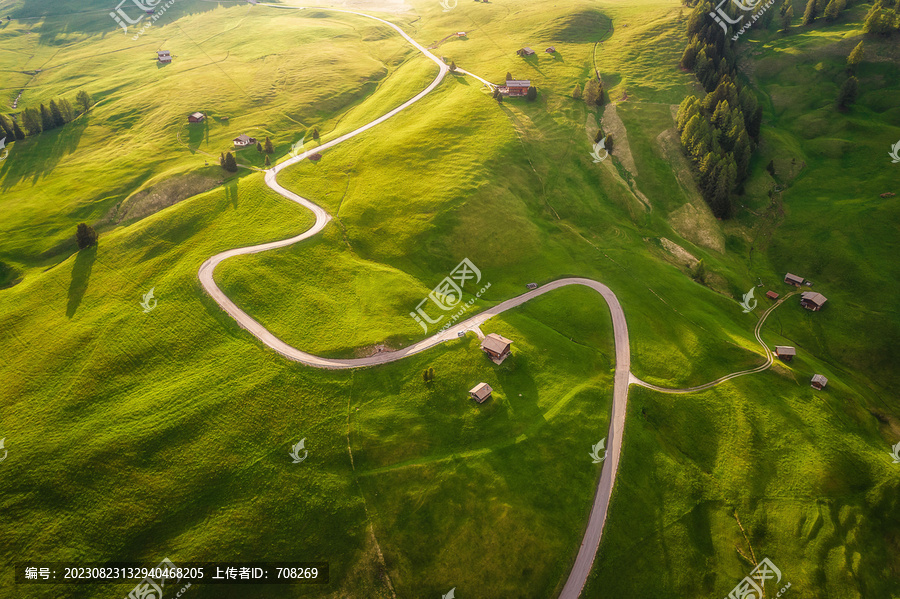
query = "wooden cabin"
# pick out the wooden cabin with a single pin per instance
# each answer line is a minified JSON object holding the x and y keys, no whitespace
{"x":532,"y":286}
{"x":164,"y":56}
{"x":481,"y":392}
{"x":818,"y":382}
{"x":197,"y":117}
{"x":525,"y":52}
{"x":516,"y":87}
{"x":771,"y":295}
{"x":812,"y":300}
{"x":794,"y":280}
{"x":496,"y":347}
{"x":785,"y":353}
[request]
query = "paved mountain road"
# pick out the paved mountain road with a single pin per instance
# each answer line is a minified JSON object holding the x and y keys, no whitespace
{"x":623,"y":377}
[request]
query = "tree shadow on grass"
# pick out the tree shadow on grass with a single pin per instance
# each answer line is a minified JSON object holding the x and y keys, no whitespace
{"x":81,"y":273}
{"x":37,"y":155}
{"x":231,"y":191}
{"x":198,"y":133}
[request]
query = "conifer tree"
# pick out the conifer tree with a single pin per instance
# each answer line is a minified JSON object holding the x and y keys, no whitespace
{"x":47,"y":121}
{"x":847,"y":95}
{"x":855,"y":58}
{"x":31,"y":118}
{"x":56,"y":114}
{"x":809,"y":15}
{"x":230,"y":163}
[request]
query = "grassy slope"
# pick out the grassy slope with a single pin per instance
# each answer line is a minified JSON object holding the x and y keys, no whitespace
{"x":427,"y":460}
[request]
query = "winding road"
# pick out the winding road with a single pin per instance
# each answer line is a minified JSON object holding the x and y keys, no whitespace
{"x":623,"y":377}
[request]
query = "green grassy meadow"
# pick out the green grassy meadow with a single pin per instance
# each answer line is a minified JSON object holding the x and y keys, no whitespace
{"x":135,"y":436}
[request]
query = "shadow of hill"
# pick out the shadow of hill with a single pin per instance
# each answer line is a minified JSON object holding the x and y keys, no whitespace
{"x":81,"y":274}
{"x":60,"y":22}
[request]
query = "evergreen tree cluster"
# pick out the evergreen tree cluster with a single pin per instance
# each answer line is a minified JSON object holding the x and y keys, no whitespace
{"x":593,"y":92}
{"x":830,"y":9}
{"x":883,"y":18}
{"x":45,"y":118}
{"x":718,"y":132}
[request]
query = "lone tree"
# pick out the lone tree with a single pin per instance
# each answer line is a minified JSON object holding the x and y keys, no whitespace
{"x":576,"y":93}
{"x":509,"y":76}
{"x":531,"y":94}
{"x":268,"y":162}
{"x":230,"y":163}
{"x":609,"y":143}
{"x":259,"y":147}
{"x":855,"y":58}
{"x":452,"y":66}
{"x":847,"y":95}
{"x":85,"y":235}
{"x":269,"y":148}
{"x":222,"y":159}
{"x":428,"y":375}
{"x":315,"y":135}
